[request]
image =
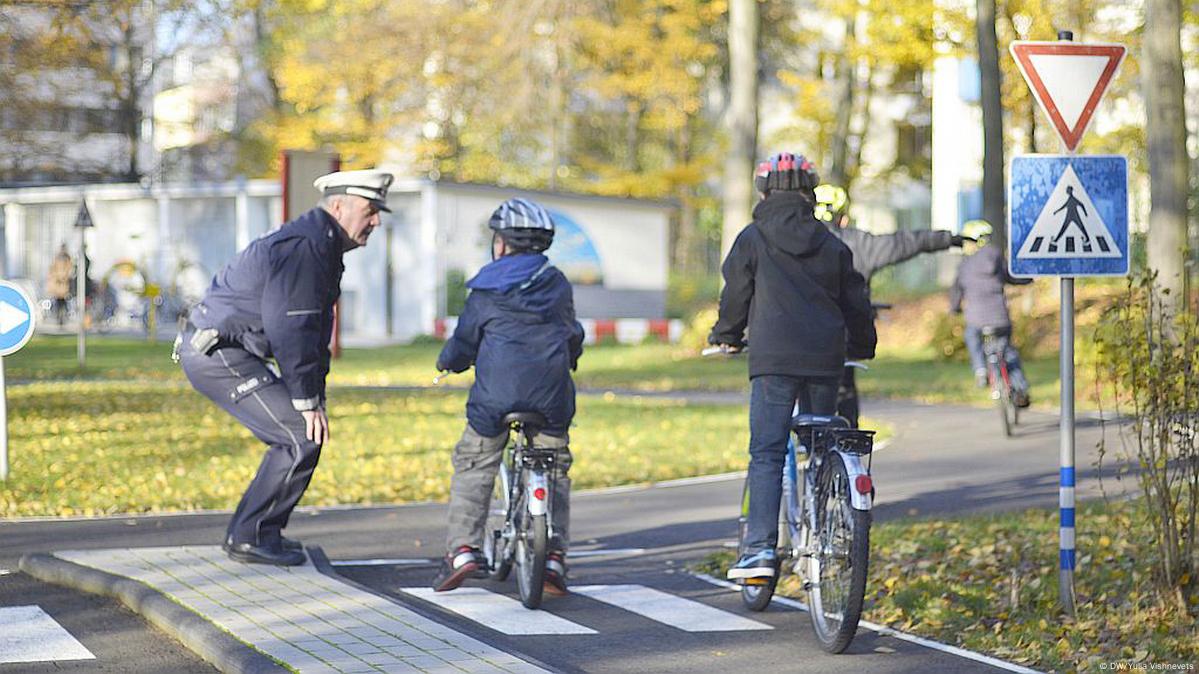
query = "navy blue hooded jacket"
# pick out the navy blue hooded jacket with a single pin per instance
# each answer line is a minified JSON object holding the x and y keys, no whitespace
{"x":276,"y":300}
{"x":520,"y":332}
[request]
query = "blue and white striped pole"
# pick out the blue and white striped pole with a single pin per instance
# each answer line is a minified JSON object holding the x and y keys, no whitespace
{"x":1066,"y":489}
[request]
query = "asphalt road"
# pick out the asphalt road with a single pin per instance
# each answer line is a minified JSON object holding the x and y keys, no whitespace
{"x":941,"y":460}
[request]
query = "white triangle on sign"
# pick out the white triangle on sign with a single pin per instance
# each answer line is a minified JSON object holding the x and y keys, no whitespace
{"x":1069,"y":80}
{"x":1069,"y":226}
{"x":11,"y":318}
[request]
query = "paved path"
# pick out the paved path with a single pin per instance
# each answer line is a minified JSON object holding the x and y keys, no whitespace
{"x":942,"y":460}
{"x":299,"y":616}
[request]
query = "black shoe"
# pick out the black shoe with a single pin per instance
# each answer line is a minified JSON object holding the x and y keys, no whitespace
{"x":287,"y":543}
{"x":555,"y":574}
{"x":248,"y":553}
{"x":1021,"y":399}
{"x":457,"y":566}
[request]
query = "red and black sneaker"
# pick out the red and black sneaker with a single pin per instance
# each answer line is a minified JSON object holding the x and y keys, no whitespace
{"x":457,"y":567}
{"x":555,"y":573}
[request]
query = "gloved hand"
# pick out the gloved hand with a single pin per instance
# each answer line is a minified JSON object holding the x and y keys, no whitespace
{"x":957,"y":240}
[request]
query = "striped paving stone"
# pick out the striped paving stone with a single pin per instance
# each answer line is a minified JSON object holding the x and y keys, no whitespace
{"x":300,"y":616}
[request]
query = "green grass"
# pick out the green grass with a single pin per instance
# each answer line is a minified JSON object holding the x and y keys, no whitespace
{"x":105,"y":447}
{"x":989,"y":583}
{"x":910,"y":374}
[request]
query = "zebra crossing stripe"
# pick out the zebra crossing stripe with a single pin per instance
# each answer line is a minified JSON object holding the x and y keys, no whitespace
{"x":1036,"y":244}
{"x":685,"y":614}
{"x":29,"y":634}
{"x":1103,"y":244}
{"x":500,"y":613}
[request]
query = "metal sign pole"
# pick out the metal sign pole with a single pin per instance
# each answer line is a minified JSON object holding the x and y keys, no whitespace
{"x":1066,"y":549}
{"x":1066,"y":490}
{"x":3,"y":424}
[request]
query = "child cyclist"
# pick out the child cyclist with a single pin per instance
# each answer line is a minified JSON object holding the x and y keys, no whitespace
{"x":980,"y":281}
{"x":519,"y":331}
{"x":792,"y":284}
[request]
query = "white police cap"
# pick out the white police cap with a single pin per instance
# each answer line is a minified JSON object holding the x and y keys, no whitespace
{"x":368,"y":184}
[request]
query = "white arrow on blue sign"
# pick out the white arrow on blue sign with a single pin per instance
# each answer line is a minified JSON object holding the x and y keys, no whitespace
{"x":1068,"y":215}
{"x":16,"y":318}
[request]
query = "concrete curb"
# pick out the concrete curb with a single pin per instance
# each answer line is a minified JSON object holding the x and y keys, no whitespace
{"x":207,"y":640}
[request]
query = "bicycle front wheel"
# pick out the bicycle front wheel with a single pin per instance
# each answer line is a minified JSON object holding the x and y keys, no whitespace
{"x":756,"y":593}
{"x":837,"y":567}
{"x":531,"y":543}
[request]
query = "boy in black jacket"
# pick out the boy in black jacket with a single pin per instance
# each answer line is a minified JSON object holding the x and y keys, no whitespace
{"x":519,"y":331}
{"x":792,"y":283}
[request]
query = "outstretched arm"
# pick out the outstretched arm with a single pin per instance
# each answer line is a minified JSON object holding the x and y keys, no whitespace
{"x":873,"y":252}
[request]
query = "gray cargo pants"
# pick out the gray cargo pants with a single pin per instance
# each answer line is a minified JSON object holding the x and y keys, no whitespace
{"x":476,"y":460}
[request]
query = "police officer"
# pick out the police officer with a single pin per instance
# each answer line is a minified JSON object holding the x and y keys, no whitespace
{"x":275,"y":301}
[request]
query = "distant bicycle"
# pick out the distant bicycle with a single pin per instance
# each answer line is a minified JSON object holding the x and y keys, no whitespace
{"x":521,"y":533}
{"x":824,"y":523}
{"x":1000,"y":380}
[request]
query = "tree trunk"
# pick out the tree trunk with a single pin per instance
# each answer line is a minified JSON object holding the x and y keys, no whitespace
{"x":847,"y":73}
{"x":741,"y":120}
{"x":1165,"y":131}
{"x":992,"y":108}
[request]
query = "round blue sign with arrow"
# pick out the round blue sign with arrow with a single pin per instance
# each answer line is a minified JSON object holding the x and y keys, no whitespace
{"x":16,"y":318}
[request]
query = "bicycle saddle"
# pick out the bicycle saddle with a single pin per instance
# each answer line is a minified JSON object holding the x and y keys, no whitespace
{"x":532,"y":421}
{"x":818,"y":420}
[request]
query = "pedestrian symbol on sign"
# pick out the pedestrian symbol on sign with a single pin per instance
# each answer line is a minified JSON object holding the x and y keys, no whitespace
{"x":1080,"y":233}
{"x":1071,"y":207}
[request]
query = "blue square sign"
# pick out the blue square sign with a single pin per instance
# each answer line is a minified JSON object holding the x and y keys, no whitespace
{"x":1068,"y":215}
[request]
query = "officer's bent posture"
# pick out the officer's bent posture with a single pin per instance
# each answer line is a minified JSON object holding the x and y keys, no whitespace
{"x":275,"y":300}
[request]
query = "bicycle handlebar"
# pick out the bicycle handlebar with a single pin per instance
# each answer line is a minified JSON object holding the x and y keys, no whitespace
{"x":441,"y":375}
{"x":716,"y":349}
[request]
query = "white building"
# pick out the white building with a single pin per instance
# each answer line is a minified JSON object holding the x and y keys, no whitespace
{"x":615,"y":251}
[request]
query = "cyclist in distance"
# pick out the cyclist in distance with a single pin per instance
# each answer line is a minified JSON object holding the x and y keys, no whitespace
{"x":519,"y":331}
{"x":871,"y":252}
{"x":793,"y":285}
{"x":980,"y":281}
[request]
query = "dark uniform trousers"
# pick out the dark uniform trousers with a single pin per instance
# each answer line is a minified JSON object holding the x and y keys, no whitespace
{"x":241,"y":384}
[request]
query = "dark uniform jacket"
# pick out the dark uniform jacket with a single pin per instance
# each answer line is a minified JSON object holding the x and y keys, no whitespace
{"x":275,"y":300}
{"x":793,"y":284}
{"x":872,"y":252}
{"x":519,"y":331}
{"x":980,"y":282}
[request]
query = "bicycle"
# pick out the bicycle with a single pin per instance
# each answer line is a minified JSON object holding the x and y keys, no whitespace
{"x":1000,"y":380}
{"x":521,"y":537}
{"x":824,"y":523}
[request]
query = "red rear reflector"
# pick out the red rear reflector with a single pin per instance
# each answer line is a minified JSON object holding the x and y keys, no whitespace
{"x":539,"y":493}
{"x":863,"y":484}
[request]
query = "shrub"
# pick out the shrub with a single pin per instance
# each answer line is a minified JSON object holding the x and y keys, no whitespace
{"x":1149,"y":360}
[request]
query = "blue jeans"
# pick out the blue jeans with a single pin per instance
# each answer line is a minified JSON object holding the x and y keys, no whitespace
{"x":1003,"y":344}
{"x":772,"y":400}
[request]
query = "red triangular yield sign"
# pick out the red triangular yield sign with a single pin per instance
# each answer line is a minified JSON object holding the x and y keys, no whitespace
{"x":1068,"y":80}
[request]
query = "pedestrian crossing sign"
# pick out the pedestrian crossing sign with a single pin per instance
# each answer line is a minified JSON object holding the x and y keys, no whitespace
{"x":1068,"y":215}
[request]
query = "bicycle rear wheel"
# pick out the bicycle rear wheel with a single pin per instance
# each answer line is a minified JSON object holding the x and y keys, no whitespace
{"x":1002,"y":395}
{"x":531,"y":542}
{"x":837,"y":567}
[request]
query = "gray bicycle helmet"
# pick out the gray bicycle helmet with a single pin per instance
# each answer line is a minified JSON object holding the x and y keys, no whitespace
{"x":523,"y":224}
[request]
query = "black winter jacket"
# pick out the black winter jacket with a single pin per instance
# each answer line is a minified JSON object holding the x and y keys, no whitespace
{"x":980,"y":282}
{"x":276,"y":300}
{"x":793,"y":284}
{"x":519,"y":331}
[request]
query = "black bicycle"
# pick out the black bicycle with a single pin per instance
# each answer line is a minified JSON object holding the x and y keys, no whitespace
{"x":521,"y":531}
